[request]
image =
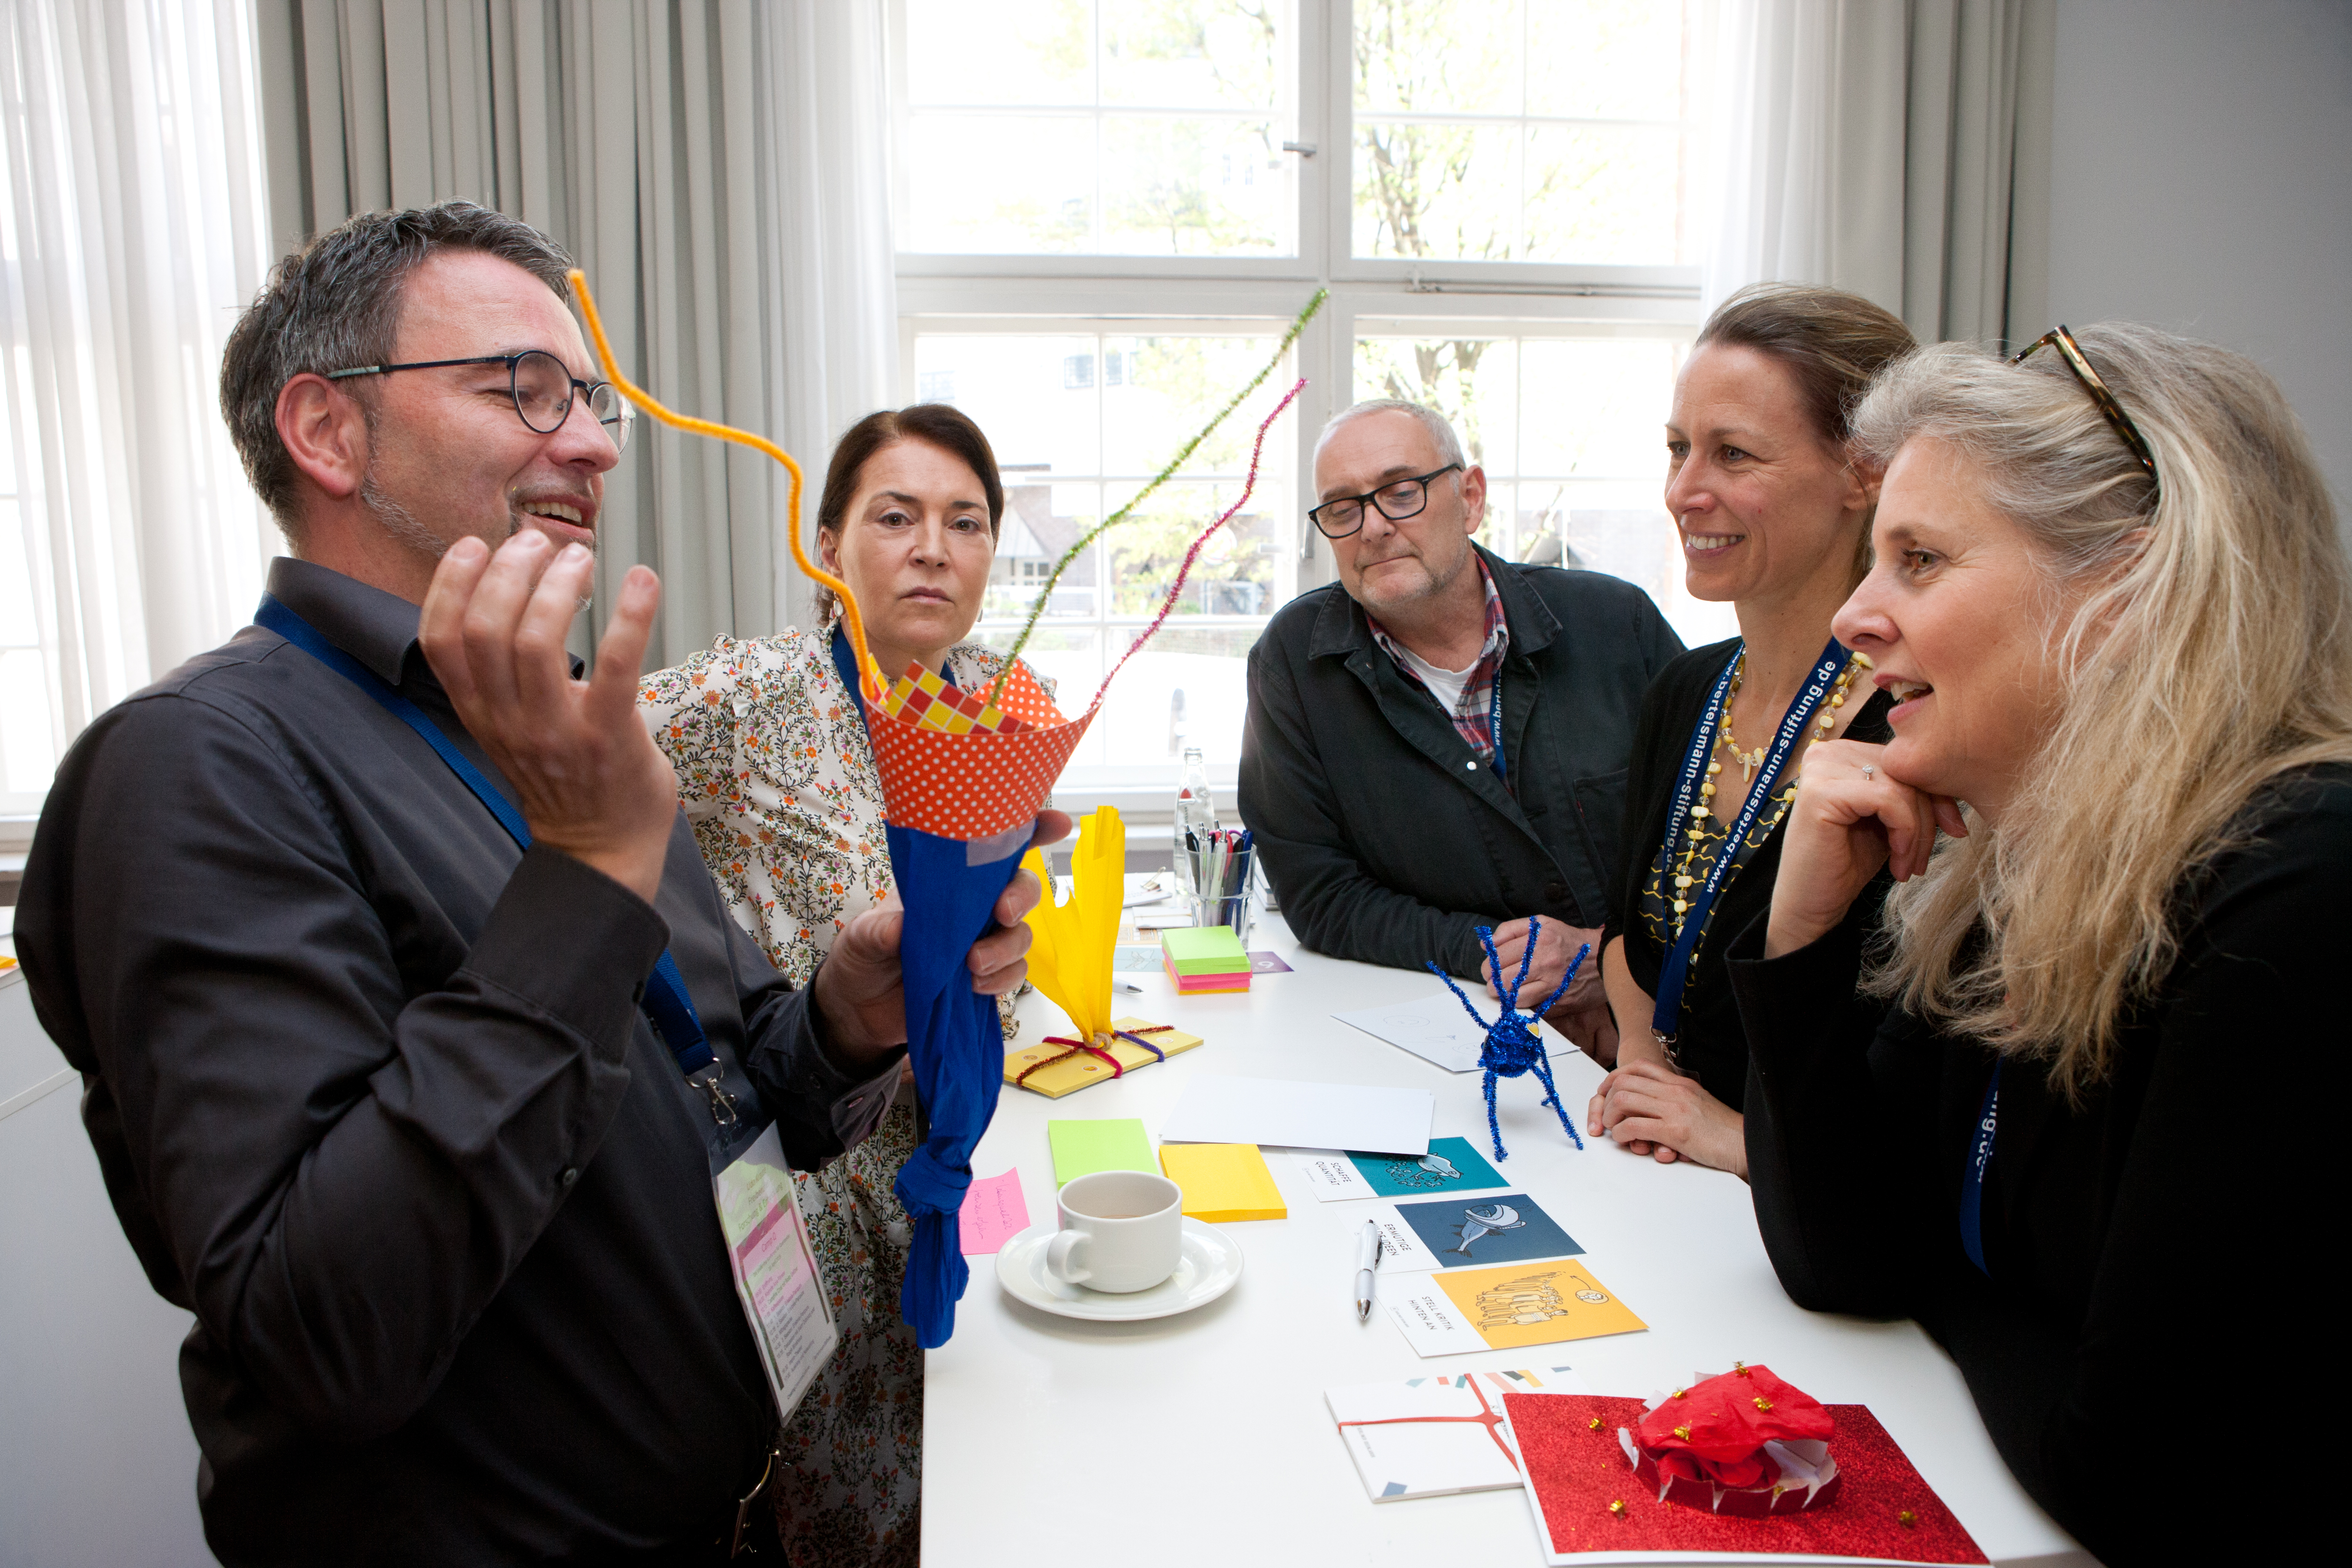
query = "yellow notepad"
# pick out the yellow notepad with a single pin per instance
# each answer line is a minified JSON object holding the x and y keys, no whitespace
{"x":1224,"y":1180}
{"x":1081,"y":1069}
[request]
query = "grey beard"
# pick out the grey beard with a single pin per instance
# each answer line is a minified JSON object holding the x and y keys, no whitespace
{"x":402,"y":524}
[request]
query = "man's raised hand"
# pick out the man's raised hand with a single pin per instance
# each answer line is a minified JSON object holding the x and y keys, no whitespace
{"x":589,"y":778}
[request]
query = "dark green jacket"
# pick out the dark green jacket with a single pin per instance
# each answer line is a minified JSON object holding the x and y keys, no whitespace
{"x":1382,"y":841}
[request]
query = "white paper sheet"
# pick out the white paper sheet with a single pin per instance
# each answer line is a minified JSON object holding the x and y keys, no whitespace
{"x":1313,"y":1115}
{"x":1425,"y":1437}
{"x":1437,"y":1030}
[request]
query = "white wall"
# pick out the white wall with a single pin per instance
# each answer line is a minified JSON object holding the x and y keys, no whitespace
{"x":97,"y":1469}
{"x":2201,"y":181}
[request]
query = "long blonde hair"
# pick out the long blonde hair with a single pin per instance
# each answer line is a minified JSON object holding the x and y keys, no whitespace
{"x":2209,"y":652}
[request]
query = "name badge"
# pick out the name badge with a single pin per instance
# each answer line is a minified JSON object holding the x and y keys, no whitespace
{"x":774,"y":1265}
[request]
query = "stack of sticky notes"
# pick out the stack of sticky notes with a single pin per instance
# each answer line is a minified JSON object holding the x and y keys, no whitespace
{"x":1223,"y":1182}
{"x":1205,"y":958}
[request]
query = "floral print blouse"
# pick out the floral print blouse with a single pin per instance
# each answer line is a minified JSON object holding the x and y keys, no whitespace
{"x":779,"y":783}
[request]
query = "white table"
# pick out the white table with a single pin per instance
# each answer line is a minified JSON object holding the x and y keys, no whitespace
{"x":1203,"y":1439}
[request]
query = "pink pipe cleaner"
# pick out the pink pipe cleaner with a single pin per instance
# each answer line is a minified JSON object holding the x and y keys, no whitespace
{"x":1193,"y":554}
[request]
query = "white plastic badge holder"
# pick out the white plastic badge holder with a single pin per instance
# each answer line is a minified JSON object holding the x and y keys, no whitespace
{"x":775,"y":1269}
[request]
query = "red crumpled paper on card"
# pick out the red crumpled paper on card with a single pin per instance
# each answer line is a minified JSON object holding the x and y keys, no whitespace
{"x":1726,"y":1420}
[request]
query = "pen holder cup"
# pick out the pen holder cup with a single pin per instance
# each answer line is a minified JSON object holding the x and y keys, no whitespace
{"x":1232,"y":911}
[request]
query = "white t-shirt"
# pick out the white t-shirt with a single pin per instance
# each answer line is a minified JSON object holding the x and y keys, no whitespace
{"x":1445,"y":685}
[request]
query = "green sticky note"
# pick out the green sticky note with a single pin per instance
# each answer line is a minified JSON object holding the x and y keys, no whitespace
{"x":1116,"y":1144}
{"x":1204,"y":949}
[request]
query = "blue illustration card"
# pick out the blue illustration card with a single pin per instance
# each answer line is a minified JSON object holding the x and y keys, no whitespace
{"x":1506,"y":1228}
{"x":1452,"y":1165}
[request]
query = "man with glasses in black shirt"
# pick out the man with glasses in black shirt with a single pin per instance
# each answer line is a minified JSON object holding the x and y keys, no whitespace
{"x":418,"y":1121}
{"x":1437,"y":742}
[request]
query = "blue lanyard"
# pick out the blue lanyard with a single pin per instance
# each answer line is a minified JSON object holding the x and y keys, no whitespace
{"x":1666,"y":1019}
{"x":1972,"y":1175}
{"x":665,"y":1002}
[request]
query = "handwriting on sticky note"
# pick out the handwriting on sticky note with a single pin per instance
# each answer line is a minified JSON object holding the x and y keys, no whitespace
{"x":993,"y":1212}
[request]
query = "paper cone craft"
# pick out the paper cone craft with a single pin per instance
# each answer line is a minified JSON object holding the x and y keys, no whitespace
{"x":963,"y":778}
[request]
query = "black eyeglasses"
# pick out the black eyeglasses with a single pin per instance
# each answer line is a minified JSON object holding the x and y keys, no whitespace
{"x":2071,"y":353}
{"x":543,"y":387}
{"x":1398,"y":500}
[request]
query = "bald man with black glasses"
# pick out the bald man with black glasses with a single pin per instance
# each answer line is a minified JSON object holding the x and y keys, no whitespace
{"x":1438,"y":740}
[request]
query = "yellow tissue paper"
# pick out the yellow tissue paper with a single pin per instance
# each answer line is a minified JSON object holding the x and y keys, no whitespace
{"x":1070,"y":955}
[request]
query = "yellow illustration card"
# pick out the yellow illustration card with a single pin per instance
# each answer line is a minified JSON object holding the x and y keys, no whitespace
{"x":1503,"y":1308}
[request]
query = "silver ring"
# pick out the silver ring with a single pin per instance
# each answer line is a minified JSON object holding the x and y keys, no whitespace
{"x":1869,"y":771}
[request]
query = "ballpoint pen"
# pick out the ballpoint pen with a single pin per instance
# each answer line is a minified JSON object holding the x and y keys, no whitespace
{"x":1368,"y":1258}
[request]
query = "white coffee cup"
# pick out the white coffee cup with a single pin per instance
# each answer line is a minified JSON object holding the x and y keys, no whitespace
{"x":1122,"y":1231}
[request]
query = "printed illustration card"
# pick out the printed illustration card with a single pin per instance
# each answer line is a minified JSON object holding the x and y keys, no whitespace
{"x":1455,"y":1311}
{"x":1456,"y":1232}
{"x":1452,"y":1166}
{"x":1430,"y":1435}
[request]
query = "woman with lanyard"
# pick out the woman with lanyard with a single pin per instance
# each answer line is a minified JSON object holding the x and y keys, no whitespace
{"x":2111,"y":597}
{"x":768,"y":735}
{"x":1774,"y":516}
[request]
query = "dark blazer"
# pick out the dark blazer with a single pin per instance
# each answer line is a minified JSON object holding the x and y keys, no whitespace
{"x":2188,"y":1192}
{"x":1385,"y":837}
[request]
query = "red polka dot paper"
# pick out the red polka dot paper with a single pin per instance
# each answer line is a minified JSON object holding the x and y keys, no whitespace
{"x":980,"y":784}
{"x":1577,"y":1472}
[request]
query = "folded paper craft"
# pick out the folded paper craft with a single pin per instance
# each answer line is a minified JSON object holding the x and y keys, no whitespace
{"x":964,"y":776}
{"x":1589,"y":1503}
{"x":1742,"y":1443}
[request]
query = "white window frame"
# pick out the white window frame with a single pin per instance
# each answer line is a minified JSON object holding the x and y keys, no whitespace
{"x":1026,"y":294}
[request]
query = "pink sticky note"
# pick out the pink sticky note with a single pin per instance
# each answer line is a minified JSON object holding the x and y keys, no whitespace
{"x":994,"y":1212}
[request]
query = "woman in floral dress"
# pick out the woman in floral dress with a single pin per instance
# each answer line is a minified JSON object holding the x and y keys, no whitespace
{"x":768,"y":735}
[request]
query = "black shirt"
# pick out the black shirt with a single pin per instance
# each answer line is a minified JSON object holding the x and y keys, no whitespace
{"x":1389,"y":838}
{"x":373,"y":1099}
{"x":2175,"y":1212}
{"x":1710,"y":1046}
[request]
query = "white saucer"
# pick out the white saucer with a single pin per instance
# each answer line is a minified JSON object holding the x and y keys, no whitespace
{"x":1211,"y":1263}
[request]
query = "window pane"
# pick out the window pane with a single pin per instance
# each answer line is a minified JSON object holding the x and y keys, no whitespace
{"x":1000,"y":51}
{"x":1172,"y":386}
{"x":1604,"y":59}
{"x":1473,"y":382}
{"x":1495,"y":130}
{"x":1161,"y":136}
{"x":1190,"y":686}
{"x":1020,"y":391}
{"x":1437,"y":56}
{"x":1001,"y":183}
{"x":1235,"y":573}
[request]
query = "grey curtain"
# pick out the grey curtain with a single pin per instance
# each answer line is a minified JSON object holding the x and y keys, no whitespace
{"x":718,"y":169}
{"x":1898,"y":148}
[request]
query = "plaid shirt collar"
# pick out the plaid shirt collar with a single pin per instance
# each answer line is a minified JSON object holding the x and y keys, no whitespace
{"x":1474,"y":712}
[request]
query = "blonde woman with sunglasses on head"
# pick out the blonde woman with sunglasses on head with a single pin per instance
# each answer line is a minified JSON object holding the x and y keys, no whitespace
{"x":2111,"y":601}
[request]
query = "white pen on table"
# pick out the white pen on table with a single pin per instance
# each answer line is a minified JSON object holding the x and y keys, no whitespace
{"x":1367,"y":1260}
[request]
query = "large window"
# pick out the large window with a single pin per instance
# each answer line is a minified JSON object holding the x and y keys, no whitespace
{"x":1108,"y":210}
{"x":27,"y":750}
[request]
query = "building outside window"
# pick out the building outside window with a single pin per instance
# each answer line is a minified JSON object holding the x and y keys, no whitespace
{"x":1109,"y":211}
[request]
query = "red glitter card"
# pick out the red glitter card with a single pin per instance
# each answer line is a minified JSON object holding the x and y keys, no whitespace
{"x":1576,"y":1471}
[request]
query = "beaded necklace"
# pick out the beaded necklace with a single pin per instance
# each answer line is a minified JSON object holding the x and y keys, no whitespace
{"x":1707,"y":826}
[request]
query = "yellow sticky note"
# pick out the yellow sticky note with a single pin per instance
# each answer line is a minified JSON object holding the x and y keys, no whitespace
{"x":1537,"y":1303}
{"x":1224,"y":1180}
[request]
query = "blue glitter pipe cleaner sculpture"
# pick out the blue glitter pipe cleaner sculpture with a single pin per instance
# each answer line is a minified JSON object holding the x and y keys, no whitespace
{"x":1511,"y":1048}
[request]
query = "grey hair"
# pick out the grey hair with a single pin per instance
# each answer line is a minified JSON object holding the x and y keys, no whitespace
{"x":1439,"y":428}
{"x":2198,"y":630}
{"x":335,"y":305}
